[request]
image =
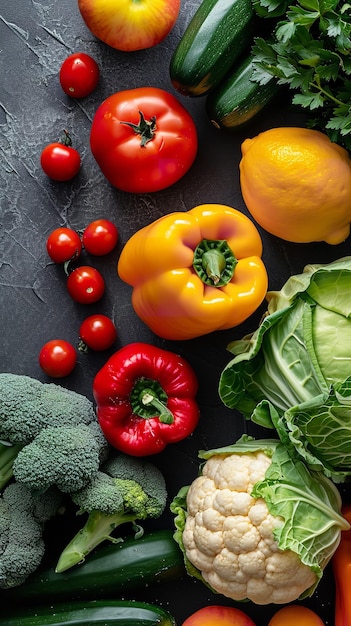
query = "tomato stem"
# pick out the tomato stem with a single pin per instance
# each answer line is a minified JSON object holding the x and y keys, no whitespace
{"x":145,"y":128}
{"x":66,"y":138}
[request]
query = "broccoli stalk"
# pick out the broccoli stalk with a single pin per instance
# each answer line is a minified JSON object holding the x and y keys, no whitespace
{"x":8,"y":454}
{"x":127,"y":489}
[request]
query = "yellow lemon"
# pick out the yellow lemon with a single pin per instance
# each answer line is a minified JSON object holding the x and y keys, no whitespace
{"x":296,"y":184}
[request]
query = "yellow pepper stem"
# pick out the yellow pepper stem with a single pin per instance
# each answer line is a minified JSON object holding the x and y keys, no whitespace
{"x":214,"y":262}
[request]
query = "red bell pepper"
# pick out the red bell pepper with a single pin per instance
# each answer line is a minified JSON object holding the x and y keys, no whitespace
{"x":342,"y":575}
{"x":146,"y":399}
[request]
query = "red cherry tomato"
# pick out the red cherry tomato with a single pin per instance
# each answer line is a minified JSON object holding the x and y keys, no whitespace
{"x":59,"y":160}
{"x":63,"y":244}
{"x":57,"y":358}
{"x":79,"y":75}
{"x":98,"y":332}
{"x":85,"y":284}
{"x":100,"y":237}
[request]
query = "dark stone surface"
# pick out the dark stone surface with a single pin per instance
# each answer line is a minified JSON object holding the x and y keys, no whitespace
{"x":35,"y":39}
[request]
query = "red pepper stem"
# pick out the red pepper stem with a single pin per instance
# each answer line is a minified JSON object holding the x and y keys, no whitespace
{"x":148,"y":398}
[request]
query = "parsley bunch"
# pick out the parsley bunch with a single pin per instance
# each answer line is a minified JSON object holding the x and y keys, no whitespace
{"x":310,"y":51}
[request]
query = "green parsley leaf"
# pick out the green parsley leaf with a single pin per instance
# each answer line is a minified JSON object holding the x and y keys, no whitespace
{"x":310,"y":52}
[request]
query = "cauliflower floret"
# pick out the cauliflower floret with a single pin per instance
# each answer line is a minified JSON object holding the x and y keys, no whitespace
{"x":250,"y":469}
{"x":228,"y":534}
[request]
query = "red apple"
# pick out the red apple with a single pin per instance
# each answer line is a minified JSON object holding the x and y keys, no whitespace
{"x":218,"y":616}
{"x":128,"y":25}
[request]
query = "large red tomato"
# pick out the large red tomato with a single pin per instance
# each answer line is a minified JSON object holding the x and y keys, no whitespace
{"x":143,"y":139}
{"x":128,"y":25}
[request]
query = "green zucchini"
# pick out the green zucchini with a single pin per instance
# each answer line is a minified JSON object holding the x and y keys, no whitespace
{"x":103,"y":612}
{"x":217,"y":34}
{"x":238,"y":98}
{"x":112,"y":569}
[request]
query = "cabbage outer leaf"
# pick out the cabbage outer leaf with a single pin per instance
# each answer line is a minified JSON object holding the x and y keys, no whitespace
{"x":292,"y":374}
{"x":320,"y":431}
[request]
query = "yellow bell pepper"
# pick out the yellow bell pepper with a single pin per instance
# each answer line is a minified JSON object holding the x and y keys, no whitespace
{"x":195,"y":272}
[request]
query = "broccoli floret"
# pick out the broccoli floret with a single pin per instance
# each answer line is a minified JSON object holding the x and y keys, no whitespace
{"x":27,"y":407}
{"x":126,"y":489}
{"x":147,"y":475}
{"x":65,"y":456}
{"x":22,"y":519}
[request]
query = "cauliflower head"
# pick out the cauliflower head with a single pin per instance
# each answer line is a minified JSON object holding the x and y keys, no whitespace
{"x":241,"y":526}
{"x":229,"y":537}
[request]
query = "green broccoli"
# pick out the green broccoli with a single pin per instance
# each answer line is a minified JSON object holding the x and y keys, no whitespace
{"x":63,"y":456}
{"x":29,"y":407}
{"x":126,"y":489}
{"x":22,"y":519}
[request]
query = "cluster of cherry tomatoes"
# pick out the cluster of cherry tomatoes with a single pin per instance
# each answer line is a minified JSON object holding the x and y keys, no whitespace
{"x":79,"y":76}
{"x":86,"y":285}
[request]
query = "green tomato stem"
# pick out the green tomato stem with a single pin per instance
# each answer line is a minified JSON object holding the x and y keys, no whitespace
{"x":145,"y":128}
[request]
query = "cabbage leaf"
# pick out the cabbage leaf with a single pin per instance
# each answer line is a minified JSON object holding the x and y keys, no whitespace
{"x":293,"y":374}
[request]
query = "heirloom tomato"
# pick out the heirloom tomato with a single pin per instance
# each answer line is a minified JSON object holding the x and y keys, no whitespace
{"x":128,"y":25}
{"x":143,"y":139}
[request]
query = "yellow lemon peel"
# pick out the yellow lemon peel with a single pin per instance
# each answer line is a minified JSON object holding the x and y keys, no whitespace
{"x":296,"y":184}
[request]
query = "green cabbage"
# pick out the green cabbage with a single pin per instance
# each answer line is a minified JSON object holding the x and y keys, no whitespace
{"x":293,"y":374}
